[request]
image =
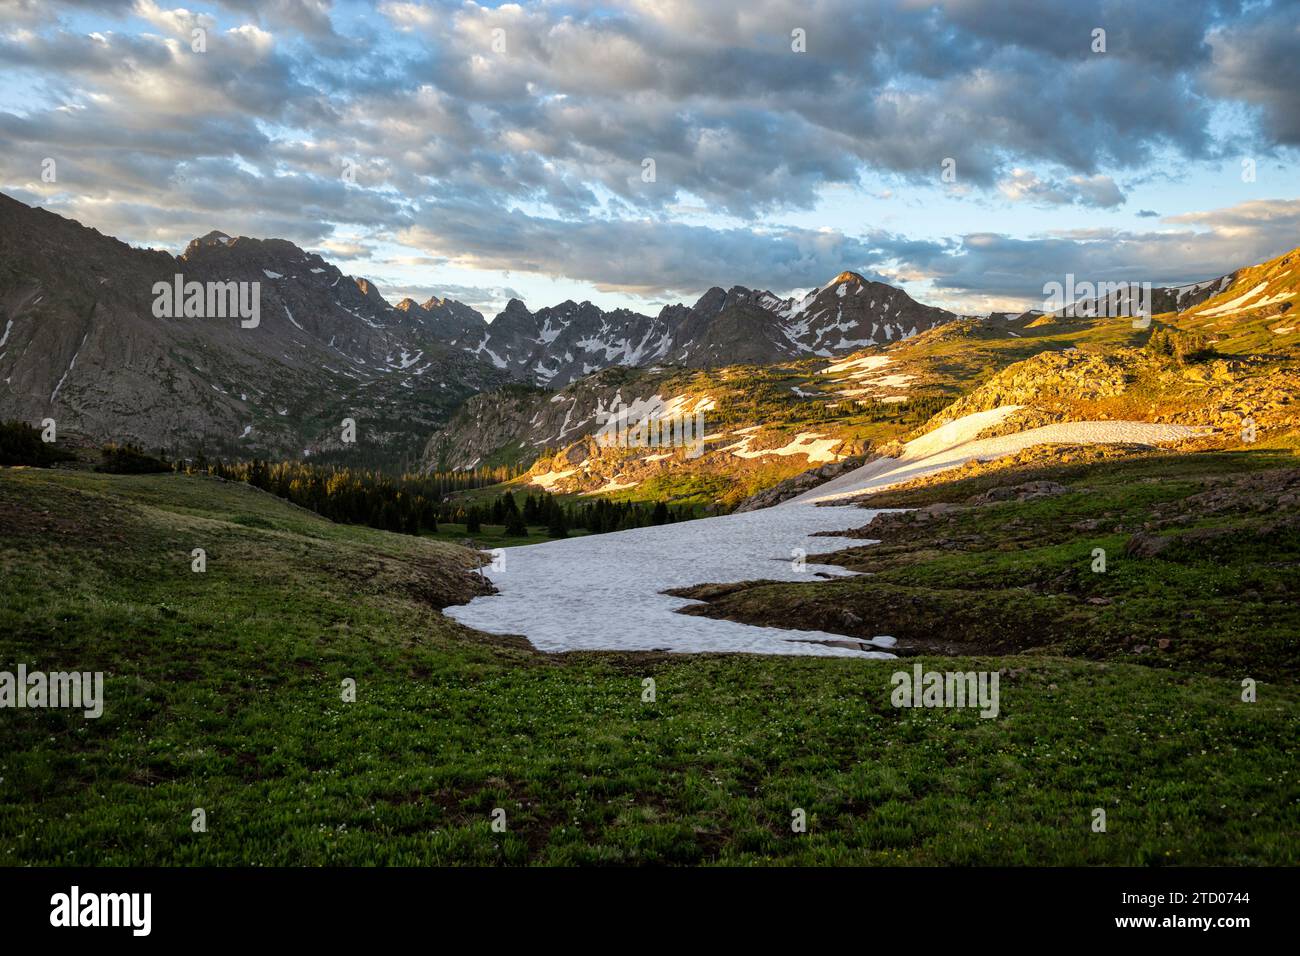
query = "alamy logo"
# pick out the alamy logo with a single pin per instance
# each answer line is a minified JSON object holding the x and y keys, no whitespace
{"x":650,"y":424}
{"x":79,"y":691}
{"x":208,"y":300}
{"x":946,"y":689}
{"x":103,"y":909}
{"x":1098,"y":299}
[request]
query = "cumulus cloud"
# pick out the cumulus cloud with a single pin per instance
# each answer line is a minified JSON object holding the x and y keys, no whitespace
{"x":345,"y":249}
{"x":1257,"y":60}
{"x":513,"y":136}
{"x":1098,"y":190}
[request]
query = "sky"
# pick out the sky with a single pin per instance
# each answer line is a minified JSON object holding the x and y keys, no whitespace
{"x":637,"y":153}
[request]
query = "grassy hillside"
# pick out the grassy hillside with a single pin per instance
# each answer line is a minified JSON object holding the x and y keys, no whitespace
{"x":1257,"y":314}
{"x":1235,"y":359}
{"x":223,"y":692}
{"x":751,"y":409}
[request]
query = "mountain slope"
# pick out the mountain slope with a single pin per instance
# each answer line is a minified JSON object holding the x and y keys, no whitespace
{"x":768,"y":422}
{"x":1258,"y":311}
{"x":850,"y":313}
{"x":79,"y":343}
{"x":758,"y":425}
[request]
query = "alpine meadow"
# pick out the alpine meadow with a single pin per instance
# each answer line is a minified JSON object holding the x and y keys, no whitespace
{"x":445,"y":434}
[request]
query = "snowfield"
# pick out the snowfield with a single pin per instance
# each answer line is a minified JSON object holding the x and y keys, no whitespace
{"x":955,"y":443}
{"x":604,"y":592}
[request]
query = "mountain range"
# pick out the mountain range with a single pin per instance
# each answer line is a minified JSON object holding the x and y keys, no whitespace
{"x":558,"y":345}
{"x":80,"y":343}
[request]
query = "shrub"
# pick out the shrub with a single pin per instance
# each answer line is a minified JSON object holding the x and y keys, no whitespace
{"x":128,"y":459}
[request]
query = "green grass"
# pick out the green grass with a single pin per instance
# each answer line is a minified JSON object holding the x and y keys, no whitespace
{"x":223,"y":692}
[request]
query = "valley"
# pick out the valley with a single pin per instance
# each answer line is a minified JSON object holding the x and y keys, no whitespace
{"x":1101,"y":514}
{"x":223,"y":692}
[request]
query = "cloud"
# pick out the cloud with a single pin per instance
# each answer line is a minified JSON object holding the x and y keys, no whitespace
{"x":178,"y":23}
{"x":1195,"y":246}
{"x":489,"y":300}
{"x":1257,"y":60}
{"x":343,"y":249}
{"x":311,"y":18}
{"x":642,"y":257}
{"x":1098,"y":190}
{"x":529,"y":156}
{"x":714,"y":94}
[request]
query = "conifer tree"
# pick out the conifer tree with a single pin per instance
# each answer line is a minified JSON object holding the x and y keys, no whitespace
{"x":515,"y":526}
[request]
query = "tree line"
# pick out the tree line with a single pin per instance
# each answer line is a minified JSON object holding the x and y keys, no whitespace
{"x":417,"y":504}
{"x":409,"y":503}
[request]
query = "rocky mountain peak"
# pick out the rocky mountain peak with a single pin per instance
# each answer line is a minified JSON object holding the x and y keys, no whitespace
{"x":272,"y":257}
{"x":847,"y":276}
{"x":410,"y":305}
{"x":711,"y":302}
{"x":214,"y":239}
{"x":367,"y":289}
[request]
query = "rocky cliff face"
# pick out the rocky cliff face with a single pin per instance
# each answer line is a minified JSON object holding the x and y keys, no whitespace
{"x":556,"y":345}
{"x":529,"y":420}
{"x":851,"y":313}
{"x":446,"y":320}
{"x":80,"y":343}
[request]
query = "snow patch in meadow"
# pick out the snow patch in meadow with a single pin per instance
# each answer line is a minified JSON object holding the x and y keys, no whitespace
{"x":1233,"y":306}
{"x":870,"y":363}
{"x":602,"y":591}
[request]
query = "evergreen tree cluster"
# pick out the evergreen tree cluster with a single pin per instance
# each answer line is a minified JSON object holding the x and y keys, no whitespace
{"x":1177,"y":345}
{"x":594,"y":517}
{"x":414,"y":504}
{"x":129,"y":459}
{"x":20,"y":444}
{"x":349,"y":496}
